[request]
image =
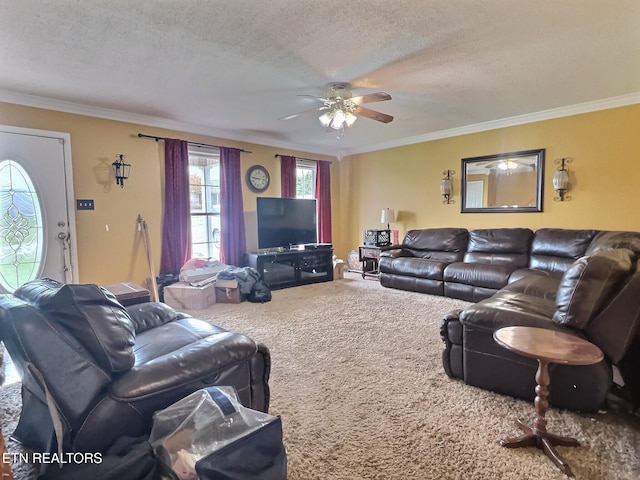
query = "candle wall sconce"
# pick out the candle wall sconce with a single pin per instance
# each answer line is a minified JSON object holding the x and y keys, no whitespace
{"x":446,"y":187}
{"x":561,"y":180}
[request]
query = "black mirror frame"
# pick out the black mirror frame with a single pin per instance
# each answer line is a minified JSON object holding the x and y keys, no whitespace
{"x":540,"y":156}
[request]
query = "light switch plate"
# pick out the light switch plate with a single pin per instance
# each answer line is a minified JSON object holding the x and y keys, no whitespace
{"x":84,"y":204}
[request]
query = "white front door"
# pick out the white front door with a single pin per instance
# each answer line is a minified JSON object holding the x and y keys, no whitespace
{"x":37,"y":218}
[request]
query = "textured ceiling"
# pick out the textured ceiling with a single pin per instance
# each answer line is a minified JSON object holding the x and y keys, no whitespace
{"x":231,"y":69}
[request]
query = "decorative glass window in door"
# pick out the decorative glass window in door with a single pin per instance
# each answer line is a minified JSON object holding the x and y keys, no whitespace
{"x":21,"y":229}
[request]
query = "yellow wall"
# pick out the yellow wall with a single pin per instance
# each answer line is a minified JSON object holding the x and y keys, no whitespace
{"x":604,"y":175}
{"x":118,"y":255}
{"x":605,"y":182}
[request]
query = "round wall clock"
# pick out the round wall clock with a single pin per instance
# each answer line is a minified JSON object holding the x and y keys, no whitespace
{"x":258,"y":178}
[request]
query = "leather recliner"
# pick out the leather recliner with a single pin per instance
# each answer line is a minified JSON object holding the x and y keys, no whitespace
{"x":99,"y":370}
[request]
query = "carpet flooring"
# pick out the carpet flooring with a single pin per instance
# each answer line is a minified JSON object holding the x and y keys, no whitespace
{"x":357,"y":378}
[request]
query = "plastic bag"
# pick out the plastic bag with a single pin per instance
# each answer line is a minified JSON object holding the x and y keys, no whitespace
{"x":200,"y":424}
{"x":260,"y":293}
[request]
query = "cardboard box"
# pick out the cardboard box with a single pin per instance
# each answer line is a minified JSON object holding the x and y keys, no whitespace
{"x":353,"y":262}
{"x":339,"y":267}
{"x":183,"y":296}
{"x":227,"y":291}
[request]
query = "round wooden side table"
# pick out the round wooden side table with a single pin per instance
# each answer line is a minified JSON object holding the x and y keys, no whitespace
{"x":546,"y":346}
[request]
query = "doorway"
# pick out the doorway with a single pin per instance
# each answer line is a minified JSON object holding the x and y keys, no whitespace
{"x":37,"y":216}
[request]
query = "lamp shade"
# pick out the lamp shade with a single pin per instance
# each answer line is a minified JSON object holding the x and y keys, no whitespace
{"x":388,"y":216}
{"x":338,"y":119}
{"x":350,"y":118}
{"x":445,"y":186}
{"x":325,"y":119}
{"x":560,"y":179}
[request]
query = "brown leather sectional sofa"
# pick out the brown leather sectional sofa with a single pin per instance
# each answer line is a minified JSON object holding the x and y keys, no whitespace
{"x":582,"y":282}
{"x":102,"y":370}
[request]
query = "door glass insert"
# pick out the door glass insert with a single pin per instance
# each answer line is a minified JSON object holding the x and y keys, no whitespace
{"x":21,"y":229}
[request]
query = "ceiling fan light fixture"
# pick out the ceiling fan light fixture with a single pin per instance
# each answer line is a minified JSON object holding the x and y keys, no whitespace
{"x":340,"y":109}
{"x":339,"y":119}
{"x":350,"y":118}
{"x":507,"y":165}
{"x":325,"y":119}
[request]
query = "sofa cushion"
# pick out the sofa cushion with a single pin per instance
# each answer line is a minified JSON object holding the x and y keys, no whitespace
{"x":531,"y":272}
{"x":441,"y":244}
{"x":413,"y":267}
{"x":555,"y":249}
{"x":587,"y":284}
{"x":500,"y":240}
{"x":535,"y":286}
{"x":148,"y":315}
{"x":504,"y":246}
{"x":92,"y":315}
{"x":506,"y":309}
{"x":478,"y":274}
{"x":201,"y":350}
{"x":615,"y":239}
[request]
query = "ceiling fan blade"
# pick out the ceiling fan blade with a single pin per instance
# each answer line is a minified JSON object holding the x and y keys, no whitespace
{"x":371,"y":97}
{"x":315,"y":109}
{"x":372,"y":114}
{"x":315,"y":97}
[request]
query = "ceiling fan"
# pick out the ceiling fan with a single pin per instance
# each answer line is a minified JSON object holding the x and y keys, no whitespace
{"x":342,"y":109}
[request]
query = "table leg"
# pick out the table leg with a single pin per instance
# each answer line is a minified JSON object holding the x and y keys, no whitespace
{"x":5,"y":468}
{"x":555,"y":458}
{"x":536,"y":434}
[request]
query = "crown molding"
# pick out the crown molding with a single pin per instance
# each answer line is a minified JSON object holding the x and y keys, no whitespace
{"x":146,"y":120}
{"x":152,"y":121}
{"x":604,"y":104}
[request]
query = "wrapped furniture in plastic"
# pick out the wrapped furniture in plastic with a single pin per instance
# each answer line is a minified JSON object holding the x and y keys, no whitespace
{"x":210,"y":435}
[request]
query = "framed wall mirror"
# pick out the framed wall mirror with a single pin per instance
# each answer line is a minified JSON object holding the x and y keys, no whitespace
{"x":506,"y":182}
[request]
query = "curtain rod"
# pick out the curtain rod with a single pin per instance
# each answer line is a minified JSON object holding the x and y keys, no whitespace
{"x":301,"y":158}
{"x":196,"y":144}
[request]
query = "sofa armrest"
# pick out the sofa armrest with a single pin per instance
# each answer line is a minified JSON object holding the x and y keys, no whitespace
{"x":616,"y":326}
{"x":507,"y":309}
{"x":146,"y":316}
{"x":202,"y":360}
{"x":451,"y":335}
{"x":260,"y":373}
{"x":393,"y":251}
{"x":391,"y":247}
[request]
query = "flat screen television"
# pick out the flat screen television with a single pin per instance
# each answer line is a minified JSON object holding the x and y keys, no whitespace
{"x":285,"y":222}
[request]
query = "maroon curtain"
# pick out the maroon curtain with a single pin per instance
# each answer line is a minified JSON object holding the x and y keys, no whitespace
{"x":232,"y":238}
{"x":287,"y":176}
{"x":323,"y":195}
{"x":176,"y":224}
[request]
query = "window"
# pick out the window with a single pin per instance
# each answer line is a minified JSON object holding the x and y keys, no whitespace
{"x":21,"y":227}
{"x":204,"y":191}
{"x":305,"y":179}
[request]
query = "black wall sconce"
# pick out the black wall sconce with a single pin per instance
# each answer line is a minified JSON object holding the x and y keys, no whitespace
{"x":561,"y":180}
{"x":121,"y":169}
{"x":446,"y":187}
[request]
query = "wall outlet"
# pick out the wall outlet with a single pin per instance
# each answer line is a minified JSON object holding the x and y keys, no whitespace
{"x":85,"y":204}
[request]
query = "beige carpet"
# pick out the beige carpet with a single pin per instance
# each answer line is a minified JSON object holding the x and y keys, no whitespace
{"x":358,"y":380}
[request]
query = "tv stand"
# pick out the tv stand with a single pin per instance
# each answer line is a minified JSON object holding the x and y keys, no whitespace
{"x":291,"y":268}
